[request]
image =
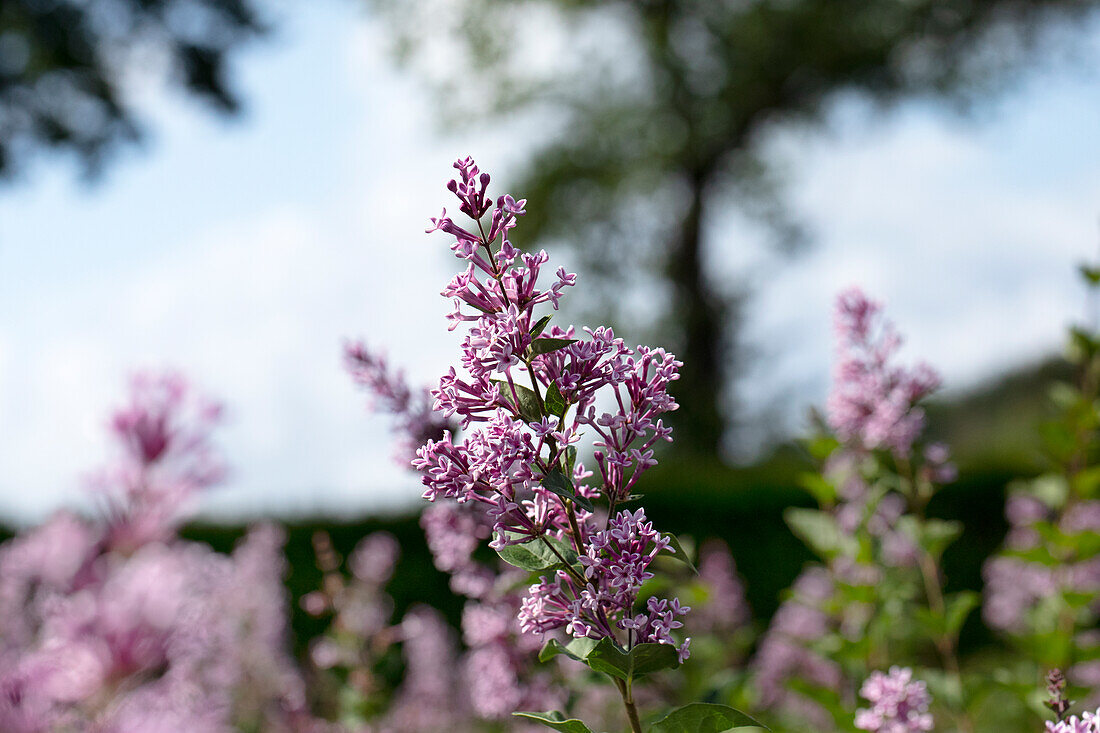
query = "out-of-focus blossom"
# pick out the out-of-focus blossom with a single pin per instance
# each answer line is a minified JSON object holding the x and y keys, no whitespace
{"x":114,"y":625}
{"x":1087,"y":723}
{"x":784,"y":653}
{"x":899,"y":704}
{"x":725,"y":608}
{"x":873,"y":400}
{"x":165,"y":457}
{"x":415,"y":422}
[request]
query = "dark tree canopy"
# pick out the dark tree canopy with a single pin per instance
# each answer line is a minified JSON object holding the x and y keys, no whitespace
{"x":662,"y":110}
{"x":64,"y":64}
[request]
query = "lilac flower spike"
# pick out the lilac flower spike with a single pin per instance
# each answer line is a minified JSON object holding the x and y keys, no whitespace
{"x":525,"y":394}
{"x":415,"y":421}
{"x":165,"y":457}
{"x":898,"y":703}
{"x":873,"y":400}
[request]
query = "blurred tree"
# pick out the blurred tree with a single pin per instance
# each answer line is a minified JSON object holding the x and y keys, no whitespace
{"x":64,"y":65}
{"x":662,"y":110}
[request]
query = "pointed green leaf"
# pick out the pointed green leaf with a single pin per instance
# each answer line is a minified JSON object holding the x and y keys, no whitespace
{"x":577,"y":649}
{"x":957,"y":607}
{"x":540,"y":325}
{"x":936,"y":534}
{"x":702,"y":717}
{"x":535,"y":555}
{"x":608,"y":658}
{"x":528,"y":402}
{"x":1090,"y":274}
{"x":822,"y":489}
{"x":570,"y":459}
{"x":820,"y":532}
{"x":547,"y":344}
{"x":556,"y":482}
{"x":555,"y":403}
{"x":557,"y":721}
{"x":677,"y":551}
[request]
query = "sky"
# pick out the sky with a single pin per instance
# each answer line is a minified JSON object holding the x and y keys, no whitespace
{"x":244,"y":252}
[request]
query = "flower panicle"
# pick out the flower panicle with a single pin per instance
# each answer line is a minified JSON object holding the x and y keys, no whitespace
{"x":521,"y":397}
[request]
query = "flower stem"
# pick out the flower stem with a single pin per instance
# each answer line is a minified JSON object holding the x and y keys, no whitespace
{"x":628,"y":703}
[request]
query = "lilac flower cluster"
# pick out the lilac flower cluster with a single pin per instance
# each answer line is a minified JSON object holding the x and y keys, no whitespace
{"x":1014,"y":585}
{"x":873,"y":404}
{"x":615,"y":567}
{"x":360,"y":610}
{"x":786,"y":652}
{"x":164,"y":458}
{"x":873,"y":401}
{"x":1087,"y":723}
{"x":115,"y":625}
{"x":899,"y":704}
{"x":497,"y":664}
{"x":518,"y":457}
{"x":1022,"y":582}
{"x":725,"y":608}
{"x":416,"y":421}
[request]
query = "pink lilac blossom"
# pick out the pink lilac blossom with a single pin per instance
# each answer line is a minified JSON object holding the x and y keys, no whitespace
{"x":899,"y":704}
{"x":784,"y":653}
{"x":165,"y":456}
{"x":497,"y":661}
{"x":360,"y":609}
{"x":415,"y":420}
{"x":872,"y":403}
{"x":519,"y":439}
{"x":725,"y":609}
{"x":428,"y":699}
{"x":1087,"y":723}
{"x":109,"y":627}
{"x":1014,"y":586}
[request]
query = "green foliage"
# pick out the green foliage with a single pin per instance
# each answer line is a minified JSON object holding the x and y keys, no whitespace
{"x":541,"y":554}
{"x":526,"y":401}
{"x":607,"y":657}
{"x":557,"y":721}
{"x":558,"y":483}
{"x":677,"y":551}
{"x":701,"y":717}
{"x":547,"y":345}
{"x":821,"y":533}
{"x":556,"y":404}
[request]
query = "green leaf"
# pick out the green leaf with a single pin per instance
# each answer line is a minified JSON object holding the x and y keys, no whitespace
{"x":820,"y":533}
{"x":1091,"y":274}
{"x":937,"y":534}
{"x":608,"y":658}
{"x":822,"y":446}
{"x":822,"y":489}
{"x":535,"y":555}
{"x":957,"y":607}
{"x":555,"y":403}
{"x":702,"y":717}
{"x":558,"y":483}
{"x":577,"y":649}
{"x":540,"y":325}
{"x":547,"y":344}
{"x":677,"y":551}
{"x":528,"y":402}
{"x":570,"y":459}
{"x":557,"y":721}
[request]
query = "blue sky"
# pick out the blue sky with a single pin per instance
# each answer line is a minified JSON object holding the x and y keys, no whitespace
{"x":243,"y":252}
